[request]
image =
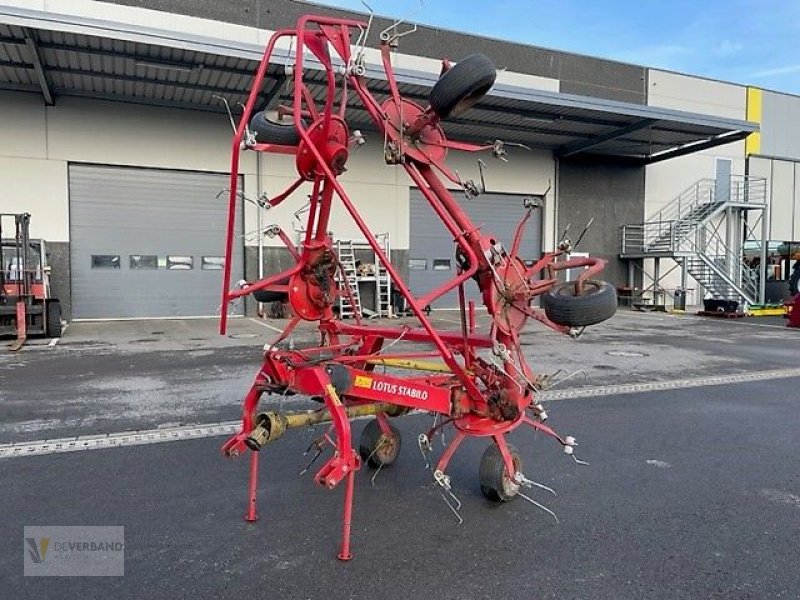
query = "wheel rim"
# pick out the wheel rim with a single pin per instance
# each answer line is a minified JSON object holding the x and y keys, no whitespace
{"x":386,"y":448}
{"x":510,"y":487}
{"x":589,"y":287}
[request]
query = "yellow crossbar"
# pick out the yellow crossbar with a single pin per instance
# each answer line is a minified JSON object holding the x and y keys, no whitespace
{"x":416,"y":365}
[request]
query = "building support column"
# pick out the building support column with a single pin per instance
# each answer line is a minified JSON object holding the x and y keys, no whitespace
{"x":656,"y":278}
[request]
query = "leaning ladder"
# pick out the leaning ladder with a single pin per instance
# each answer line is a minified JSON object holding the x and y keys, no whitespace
{"x":383,"y":283}
{"x":349,"y":303}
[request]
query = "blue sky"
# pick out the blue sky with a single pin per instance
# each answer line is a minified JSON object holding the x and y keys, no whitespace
{"x":745,"y":41}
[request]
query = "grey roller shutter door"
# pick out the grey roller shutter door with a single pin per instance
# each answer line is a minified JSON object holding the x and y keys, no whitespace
{"x":432,"y":250}
{"x":170,"y":222}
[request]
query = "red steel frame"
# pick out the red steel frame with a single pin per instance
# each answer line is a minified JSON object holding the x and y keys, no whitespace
{"x":473,"y":394}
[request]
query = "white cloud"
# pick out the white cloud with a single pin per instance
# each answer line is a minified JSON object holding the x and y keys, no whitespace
{"x":785,"y":70}
{"x":728,"y":48}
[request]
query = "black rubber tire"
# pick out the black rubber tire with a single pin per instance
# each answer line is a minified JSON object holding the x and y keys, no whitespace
{"x":270,"y":296}
{"x":53,"y":324}
{"x":462,"y":85}
{"x":495,"y":482}
{"x":371,"y":437}
{"x":597,"y":303}
{"x":268,"y":131}
{"x":267,"y":296}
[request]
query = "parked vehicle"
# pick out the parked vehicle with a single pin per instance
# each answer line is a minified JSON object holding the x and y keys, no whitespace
{"x":26,"y":304}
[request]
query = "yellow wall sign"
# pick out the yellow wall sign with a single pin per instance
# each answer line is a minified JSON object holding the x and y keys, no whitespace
{"x":363,"y":381}
{"x":752,"y":144}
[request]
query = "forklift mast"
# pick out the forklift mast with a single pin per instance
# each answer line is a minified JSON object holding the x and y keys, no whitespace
{"x":16,"y":276}
{"x":26,"y":307}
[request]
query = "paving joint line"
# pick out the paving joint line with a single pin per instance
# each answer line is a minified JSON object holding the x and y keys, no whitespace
{"x":655,"y":386}
{"x":207,"y":430}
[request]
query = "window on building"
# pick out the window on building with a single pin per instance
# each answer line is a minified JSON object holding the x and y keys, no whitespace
{"x":143,"y":262}
{"x":212,"y":263}
{"x":105,"y":261}
{"x":441,"y":264}
{"x":180,"y":263}
{"x":417,"y":264}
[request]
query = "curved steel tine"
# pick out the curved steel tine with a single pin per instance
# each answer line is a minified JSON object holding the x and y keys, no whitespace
{"x":541,"y":506}
{"x":320,"y":450}
{"x":443,"y":481}
{"x":425,"y":448}
{"x":378,"y":470}
{"x":579,"y":461}
{"x":454,"y":509}
{"x":522,"y":480}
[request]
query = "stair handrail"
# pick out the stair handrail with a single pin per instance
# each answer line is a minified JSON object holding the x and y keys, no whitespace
{"x":712,"y":251}
{"x":698,"y":193}
{"x":743,"y":188}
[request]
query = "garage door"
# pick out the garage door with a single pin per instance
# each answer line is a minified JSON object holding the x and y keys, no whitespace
{"x":431,"y":252}
{"x":147,"y":243}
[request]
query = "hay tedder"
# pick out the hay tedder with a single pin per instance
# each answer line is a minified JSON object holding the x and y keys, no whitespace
{"x":477,"y":383}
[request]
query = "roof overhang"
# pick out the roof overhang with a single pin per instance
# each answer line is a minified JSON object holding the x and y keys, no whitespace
{"x":71,"y":55}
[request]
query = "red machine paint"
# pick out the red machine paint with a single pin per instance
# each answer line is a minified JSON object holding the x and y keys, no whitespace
{"x":794,"y":312}
{"x":478,"y":396}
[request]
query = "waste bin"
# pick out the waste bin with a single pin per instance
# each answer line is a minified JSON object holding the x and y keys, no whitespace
{"x":679,"y":301}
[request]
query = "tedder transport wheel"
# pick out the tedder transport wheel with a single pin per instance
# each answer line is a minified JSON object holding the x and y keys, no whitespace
{"x":271,"y":132}
{"x":496,"y":485}
{"x":597,"y":302}
{"x":376,"y":448}
{"x":462,"y":85}
{"x":53,"y":323}
{"x":265,"y":296}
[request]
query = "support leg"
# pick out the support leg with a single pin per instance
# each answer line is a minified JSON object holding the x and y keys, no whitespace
{"x":794,"y":316}
{"x":508,"y":460}
{"x":345,"y":554}
{"x":22,"y":331}
{"x":252,"y":514}
{"x":450,"y":451}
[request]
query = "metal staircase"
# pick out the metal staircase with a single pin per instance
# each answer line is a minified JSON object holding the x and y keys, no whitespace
{"x":704,"y":230}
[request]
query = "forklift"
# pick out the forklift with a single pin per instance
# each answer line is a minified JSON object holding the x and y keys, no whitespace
{"x":26,"y":306}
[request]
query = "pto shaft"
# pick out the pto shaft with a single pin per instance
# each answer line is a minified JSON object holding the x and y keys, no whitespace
{"x":272,"y":425}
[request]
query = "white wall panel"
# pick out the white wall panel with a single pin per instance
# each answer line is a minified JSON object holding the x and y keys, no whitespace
{"x":796,"y":204}
{"x":780,"y":125}
{"x":695,"y":94}
{"x":117,"y":133}
{"x":23,"y":125}
{"x":381,"y":192}
{"x":666,"y":180}
{"x":782,"y":205}
{"x":39,"y":187}
{"x":783,"y":187}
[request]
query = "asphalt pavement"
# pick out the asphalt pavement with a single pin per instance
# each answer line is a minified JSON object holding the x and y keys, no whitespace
{"x":692,"y":492}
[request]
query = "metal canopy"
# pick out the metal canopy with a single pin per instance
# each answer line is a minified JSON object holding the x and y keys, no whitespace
{"x":55,"y":57}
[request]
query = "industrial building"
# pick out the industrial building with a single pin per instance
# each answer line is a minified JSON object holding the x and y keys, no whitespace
{"x":116,"y":140}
